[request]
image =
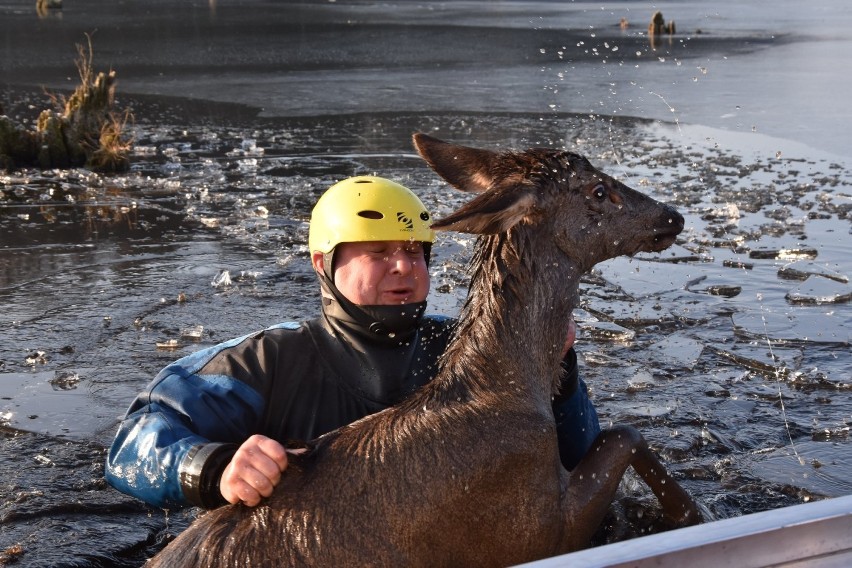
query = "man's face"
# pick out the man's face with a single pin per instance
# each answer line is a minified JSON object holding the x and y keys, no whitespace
{"x":380,"y":272}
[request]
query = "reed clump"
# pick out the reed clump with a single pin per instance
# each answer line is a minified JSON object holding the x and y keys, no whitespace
{"x":82,"y":129}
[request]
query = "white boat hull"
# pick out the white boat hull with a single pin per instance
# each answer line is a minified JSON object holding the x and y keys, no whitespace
{"x":817,"y":534}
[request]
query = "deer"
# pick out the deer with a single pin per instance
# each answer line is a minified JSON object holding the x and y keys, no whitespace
{"x":466,"y":471}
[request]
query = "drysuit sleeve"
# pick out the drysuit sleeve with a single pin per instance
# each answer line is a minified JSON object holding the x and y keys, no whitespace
{"x":577,"y":423}
{"x":181,"y":432}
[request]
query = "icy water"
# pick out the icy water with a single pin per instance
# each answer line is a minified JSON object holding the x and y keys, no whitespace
{"x":729,"y":351}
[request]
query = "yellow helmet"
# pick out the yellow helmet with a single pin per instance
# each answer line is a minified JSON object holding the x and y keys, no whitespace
{"x":367,"y":208}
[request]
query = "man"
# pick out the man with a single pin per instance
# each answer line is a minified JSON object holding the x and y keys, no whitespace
{"x":209,"y":429}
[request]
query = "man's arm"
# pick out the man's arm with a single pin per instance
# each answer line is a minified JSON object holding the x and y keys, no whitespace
{"x":577,"y":424}
{"x":180,"y":434}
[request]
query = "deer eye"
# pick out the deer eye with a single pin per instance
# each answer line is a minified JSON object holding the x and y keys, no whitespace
{"x":599,"y":192}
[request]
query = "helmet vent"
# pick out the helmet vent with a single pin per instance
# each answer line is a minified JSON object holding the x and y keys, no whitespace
{"x":370,"y":214}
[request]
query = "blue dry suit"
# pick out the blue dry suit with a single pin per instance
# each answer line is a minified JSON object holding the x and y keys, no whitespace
{"x":293,"y":381}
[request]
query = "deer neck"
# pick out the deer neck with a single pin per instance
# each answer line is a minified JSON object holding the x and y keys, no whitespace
{"x":514,"y":325}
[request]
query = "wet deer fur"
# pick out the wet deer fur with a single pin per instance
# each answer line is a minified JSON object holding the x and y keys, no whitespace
{"x":466,"y":472}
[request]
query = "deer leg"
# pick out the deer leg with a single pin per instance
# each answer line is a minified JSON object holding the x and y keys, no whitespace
{"x":678,"y":505}
{"x":593,"y":483}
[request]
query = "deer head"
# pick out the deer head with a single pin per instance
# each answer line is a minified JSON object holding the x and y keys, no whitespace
{"x":587,"y":214}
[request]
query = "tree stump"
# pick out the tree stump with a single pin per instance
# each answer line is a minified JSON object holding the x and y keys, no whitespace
{"x":658,"y":25}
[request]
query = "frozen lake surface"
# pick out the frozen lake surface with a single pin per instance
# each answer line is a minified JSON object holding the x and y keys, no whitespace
{"x":779,"y":70}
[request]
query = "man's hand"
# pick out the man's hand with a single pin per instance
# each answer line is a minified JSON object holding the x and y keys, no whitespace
{"x":254,"y":471}
{"x":572,"y":336}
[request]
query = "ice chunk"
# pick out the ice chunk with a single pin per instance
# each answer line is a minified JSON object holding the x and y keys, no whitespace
{"x":677,"y":351}
{"x":640,"y":278}
{"x":634,"y":313}
{"x":628,"y":411}
{"x":815,"y":466}
{"x":714,"y":286}
{"x":65,"y":380}
{"x":641,"y":379}
{"x":192,"y":333}
{"x":802,"y":270}
{"x":775,"y":361}
{"x":222,"y":279}
{"x":792,"y":253}
{"x":799,"y":326}
{"x":737,"y":264}
{"x":820,"y":291}
{"x":607,"y":331}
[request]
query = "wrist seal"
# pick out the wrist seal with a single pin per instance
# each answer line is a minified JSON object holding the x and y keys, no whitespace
{"x":200,"y":472}
{"x":570,"y":376}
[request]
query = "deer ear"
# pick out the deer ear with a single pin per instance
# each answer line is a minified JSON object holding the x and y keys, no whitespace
{"x":467,"y":169}
{"x":490,"y":213}
{"x":470,"y":169}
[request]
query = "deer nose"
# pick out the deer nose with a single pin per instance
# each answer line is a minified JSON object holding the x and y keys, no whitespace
{"x":675,"y":219}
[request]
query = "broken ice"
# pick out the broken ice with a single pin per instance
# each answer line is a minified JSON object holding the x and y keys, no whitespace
{"x":222,"y":279}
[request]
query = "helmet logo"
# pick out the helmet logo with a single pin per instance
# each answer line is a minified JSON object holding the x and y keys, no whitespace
{"x":405,"y":220}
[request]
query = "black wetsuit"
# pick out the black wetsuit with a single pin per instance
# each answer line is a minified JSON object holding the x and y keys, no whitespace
{"x":293,"y":381}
